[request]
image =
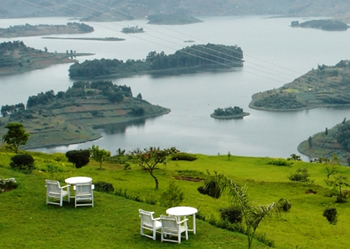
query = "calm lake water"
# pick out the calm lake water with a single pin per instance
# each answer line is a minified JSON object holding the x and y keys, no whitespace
{"x":274,"y":54}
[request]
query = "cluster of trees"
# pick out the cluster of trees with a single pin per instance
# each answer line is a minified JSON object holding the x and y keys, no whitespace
{"x":343,"y":135}
{"x":229,"y":111}
{"x":81,"y":27}
{"x":194,"y":56}
{"x":6,"y":58}
{"x":330,"y":25}
{"x":280,"y":101}
{"x":9,"y":109}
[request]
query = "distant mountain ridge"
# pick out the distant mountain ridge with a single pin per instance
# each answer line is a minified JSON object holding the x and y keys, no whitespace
{"x":107,"y":10}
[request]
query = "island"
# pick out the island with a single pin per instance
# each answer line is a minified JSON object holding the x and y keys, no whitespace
{"x":85,"y":38}
{"x":325,"y":144}
{"x":45,"y":29}
{"x":172,"y":19}
{"x":16,"y":58}
{"x":324,"y":24}
{"x":229,"y":113}
{"x":132,"y":30}
{"x":194,"y":58}
{"x":70,"y":117}
{"x":326,"y":86}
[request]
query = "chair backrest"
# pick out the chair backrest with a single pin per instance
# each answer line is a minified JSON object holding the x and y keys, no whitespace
{"x":53,"y":186}
{"x":83,"y":189}
{"x":146,"y":217}
{"x":169,"y":222}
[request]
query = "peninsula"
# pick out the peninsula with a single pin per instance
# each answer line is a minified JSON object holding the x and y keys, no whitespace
{"x":16,"y":58}
{"x":324,"y":24}
{"x":326,"y":86}
{"x":70,"y":117}
{"x":172,"y":19}
{"x":229,"y":113}
{"x":196,"y":57}
{"x":45,"y":29}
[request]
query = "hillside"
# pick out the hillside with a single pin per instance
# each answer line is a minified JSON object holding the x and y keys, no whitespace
{"x":326,"y":86}
{"x":70,"y":117}
{"x":16,"y":57}
{"x":113,"y":10}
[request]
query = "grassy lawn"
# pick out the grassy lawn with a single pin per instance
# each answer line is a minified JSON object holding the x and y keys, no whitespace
{"x":27,"y":222}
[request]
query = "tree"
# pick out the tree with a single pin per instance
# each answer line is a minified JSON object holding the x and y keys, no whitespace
{"x":15,"y":136}
{"x":99,"y":155}
{"x":78,"y":157}
{"x":331,"y":167}
{"x":339,"y":182}
{"x":252,"y":214}
{"x":149,"y":159}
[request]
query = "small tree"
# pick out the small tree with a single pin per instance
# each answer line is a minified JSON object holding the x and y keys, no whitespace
{"x":331,"y":167}
{"x":78,"y":157}
{"x":15,"y":136}
{"x":99,"y":155}
{"x":150,"y":158}
{"x":172,"y":196}
{"x":331,"y":214}
{"x":339,"y":182}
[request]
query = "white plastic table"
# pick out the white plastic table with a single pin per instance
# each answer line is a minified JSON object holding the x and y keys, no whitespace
{"x":76,"y":180}
{"x":183,"y":212}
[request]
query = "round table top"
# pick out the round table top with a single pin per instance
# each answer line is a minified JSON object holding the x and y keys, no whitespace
{"x":181,"y":211}
{"x":78,"y":179}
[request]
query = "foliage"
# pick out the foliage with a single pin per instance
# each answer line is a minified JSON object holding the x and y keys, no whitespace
{"x":150,"y":158}
{"x":331,"y":214}
{"x":211,"y":186}
{"x":294,"y":157}
{"x":15,"y":136}
{"x":280,"y":101}
{"x":104,"y":187}
{"x":7,"y":184}
{"x":233,"y":214}
{"x":339,"y":182}
{"x":280,"y":162}
{"x":284,"y":205}
{"x":99,"y":155}
{"x":325,"y":24}
{"x":343,"y":135}
{"x":172,"y":196}
{"x":183,"y":156}
{"x":24,"y":163}
{"x":79,"y":158}
{"x":301,"y":175}
{"x":228,"y":111}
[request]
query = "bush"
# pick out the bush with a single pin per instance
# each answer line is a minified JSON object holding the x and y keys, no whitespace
{"x":301,"y":175}
{"x":104,"y":187}
{"x":331,"y":214}
{"x":7,"y":184}
{"x":280,"y":162}
{"x":183,"y":156}
{"x":79,"y":158}
{"x":24,"y":163}
{"x":233,"y":214}
{"x":284,"y":205}
{"x":172,"y":196}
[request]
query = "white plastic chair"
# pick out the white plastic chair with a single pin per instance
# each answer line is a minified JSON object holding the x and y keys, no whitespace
{"x":84,"y":193}
{"x":171,"y":226}
{"x":149,"y":223}
{"x":56,"y":192}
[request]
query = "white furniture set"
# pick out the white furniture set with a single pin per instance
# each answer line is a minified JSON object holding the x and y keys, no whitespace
{"x":173,"y":225}
{"x":84,"y":194}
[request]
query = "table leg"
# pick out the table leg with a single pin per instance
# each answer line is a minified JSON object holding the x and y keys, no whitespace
{"x":194,"y":223}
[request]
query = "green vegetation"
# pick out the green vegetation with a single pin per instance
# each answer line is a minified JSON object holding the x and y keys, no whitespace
{"x":172,"y":19}
{"x":114,"y":218}
{"x":70,"y":117}
{"x":85,"y":38}
{"x":45,"y":29}
{"x":326,"y":86}
{"x":15,"y":136}
{"x":229,"y":113}
{"x":194,"y":57}
{"x":132,"y":30}
{"x":99,"y":155}
{"x":324,"y":24}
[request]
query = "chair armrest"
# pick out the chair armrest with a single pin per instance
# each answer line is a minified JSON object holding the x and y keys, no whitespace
{"x":157,"y":218}
{"x":67,"y":186}
{"x":184,"y":220}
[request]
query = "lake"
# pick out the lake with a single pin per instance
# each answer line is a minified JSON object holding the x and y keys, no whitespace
{"x":274,"y":54}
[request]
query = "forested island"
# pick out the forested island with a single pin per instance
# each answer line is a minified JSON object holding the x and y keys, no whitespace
{"x":324,"y":24}
{"x":70,"y":117}
{"x":85,"y":38}
{"x":172,"y":19}
{"x":195,"y":57}
{"x":229,"y":113}
{"x":326,"y":86}
{"x":16,"y":57}
{"x":45,"y":29}
{"x":323,"y":145}
{"x":132,"y":30}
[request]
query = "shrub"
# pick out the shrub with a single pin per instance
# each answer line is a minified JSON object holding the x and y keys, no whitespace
{"x":79,"y":158}
{"x":183,"y":156}
{"x":172,"y":196}
{"x":301,"y":175}
{"x":233,"y":214}
{"x":104,"y":187}
{"x":331,"y":214}
{"x":24,"y":163}
{"x":7,"y":184}
{"x":280,"y":162}
{"x":284,"y":205}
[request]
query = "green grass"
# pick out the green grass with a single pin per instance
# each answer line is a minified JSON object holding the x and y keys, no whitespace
{"x":26,"y":221}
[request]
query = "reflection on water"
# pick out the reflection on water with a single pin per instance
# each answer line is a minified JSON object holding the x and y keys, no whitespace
{"x":110,"y":129}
